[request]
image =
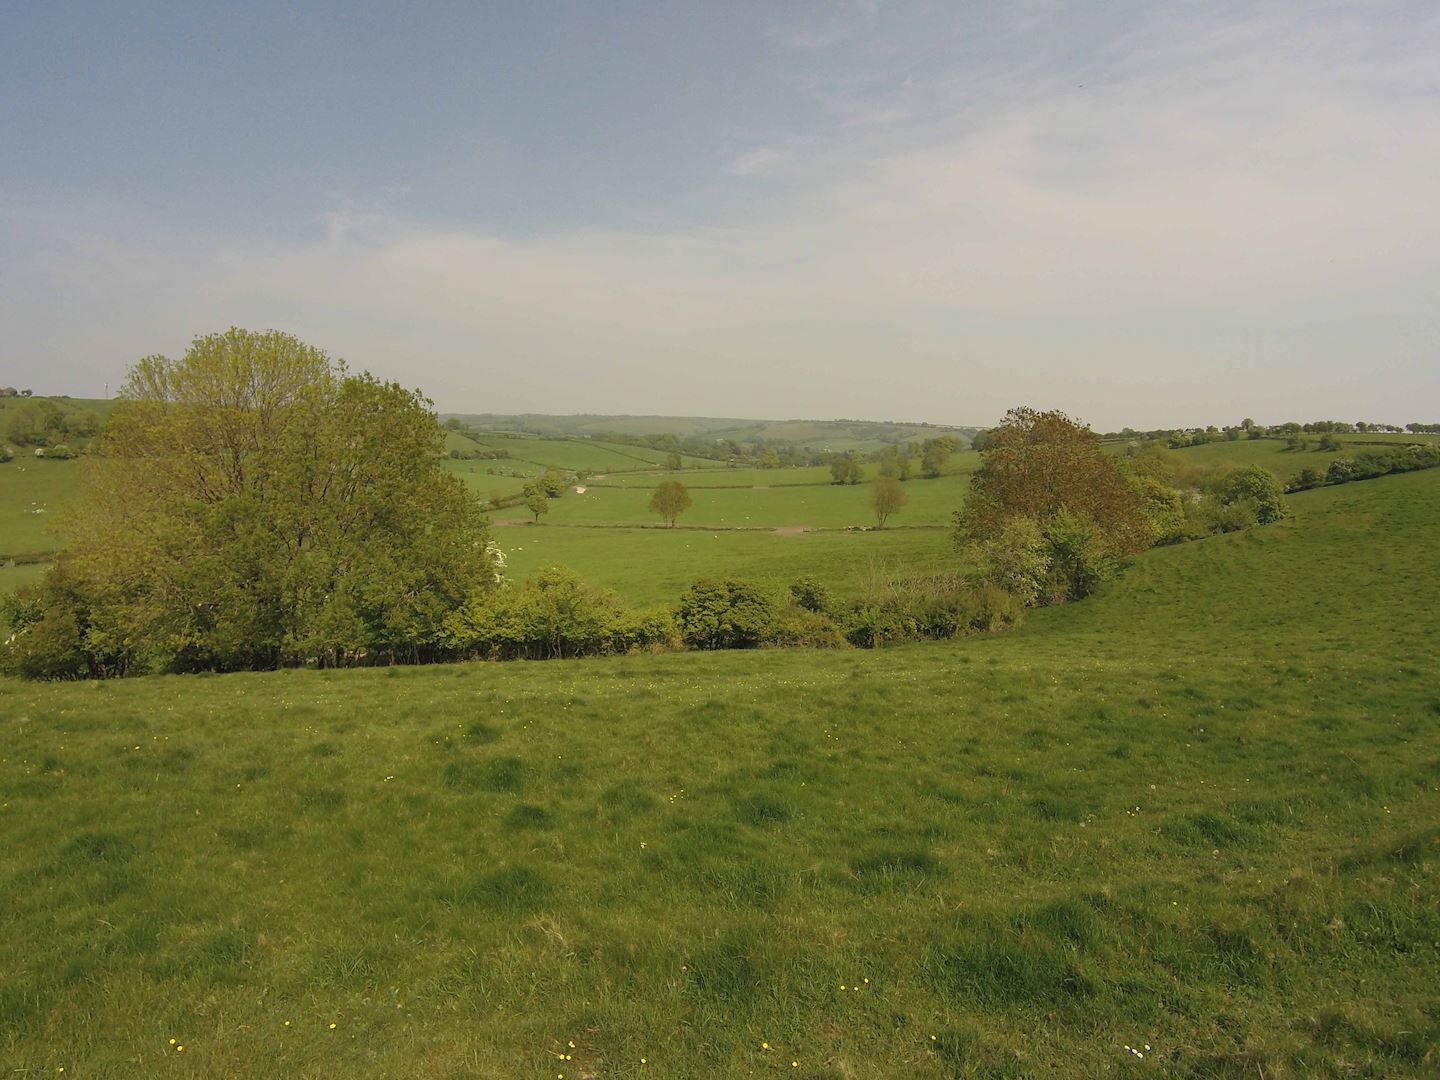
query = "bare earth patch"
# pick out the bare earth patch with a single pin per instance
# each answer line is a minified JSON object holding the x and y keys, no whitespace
{"x":790,"y":530}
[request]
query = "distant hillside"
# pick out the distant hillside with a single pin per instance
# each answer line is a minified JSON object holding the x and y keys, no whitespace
{"x":66,"y":404}
{"x":835,"y":434}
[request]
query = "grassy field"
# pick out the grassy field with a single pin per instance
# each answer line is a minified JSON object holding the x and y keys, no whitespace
{"x":479,"y":479}
{"x":577,"y":454}
{"x":1285,"y":463}
{"x":66,"y":405}
{"x":652,"y":567}
{"x":1195,"y":816}
{"x":33,"y":494}
{"x":962,"y":464}
{"x":932,"y":502}
{"x":831,"y":434}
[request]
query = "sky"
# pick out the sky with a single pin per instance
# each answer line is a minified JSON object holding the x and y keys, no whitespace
{"x":1146,"y":214}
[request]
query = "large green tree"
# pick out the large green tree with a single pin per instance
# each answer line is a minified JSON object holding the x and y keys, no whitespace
{"x":846,"y":469}
{"x":935,"y":453}
{"x":253,"y":504}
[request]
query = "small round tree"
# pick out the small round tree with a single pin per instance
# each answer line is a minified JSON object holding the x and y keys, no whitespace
{"x":669,"y":499}
{"x":887,"y":496}
{"x":1260,"y":484}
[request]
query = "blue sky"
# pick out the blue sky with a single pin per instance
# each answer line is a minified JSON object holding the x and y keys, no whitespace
{"x":1145,"y":214}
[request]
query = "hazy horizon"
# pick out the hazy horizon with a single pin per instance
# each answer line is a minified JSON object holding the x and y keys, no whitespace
{"x":1147,"y":215}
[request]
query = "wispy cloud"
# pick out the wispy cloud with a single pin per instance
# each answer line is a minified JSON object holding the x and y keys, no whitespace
{"x":1226,"y":214}
{"x":758,"y":162}
{"x":825,"y":25}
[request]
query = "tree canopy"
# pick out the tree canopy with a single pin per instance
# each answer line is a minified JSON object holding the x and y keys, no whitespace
{"x":249,"y":505}
{"x":934,"y":453}
{"x":846,"y":469}
{"x":35,"y":423}
{"x":669,"y":499}
{"x":887,"y":496}
{"x":1038,"y":463}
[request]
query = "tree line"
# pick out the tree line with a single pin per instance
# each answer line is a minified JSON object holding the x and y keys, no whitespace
{"x":254,"y":505}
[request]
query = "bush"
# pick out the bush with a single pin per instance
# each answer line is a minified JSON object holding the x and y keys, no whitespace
{"x":1374,"y":463}
{"x":810,"y":594}
{"x":724,"y":614}
{"x":47,"y":630}
{"x":1259,"y":485}
{"x":60,"y":452}
{"x":1080,"y":558}
{"x":931,"y":607}
{"x":1162,"y":509}
{"x":1209,"y":515}
{"x":796,"y":626}
{"x":1015,"y":558}
{"x":553,"y":615}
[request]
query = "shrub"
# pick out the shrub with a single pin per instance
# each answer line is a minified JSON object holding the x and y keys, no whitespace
{"x":1015,"y":558}
{"x":810,"y":594}
{"x":935,"y":606}
{"x":1209,"y":515}
{"x":1162,"y":509}
{"x":1080,"y":557}
{"x":553,"y":615}
{"x":796,"y":626}
{"x":47,"y":630}
{"x":1374,"y":463}
{"x":724,"y":614}
{"x":1260,"y":485}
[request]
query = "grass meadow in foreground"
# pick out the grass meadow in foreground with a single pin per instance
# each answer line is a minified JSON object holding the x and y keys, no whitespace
{"x":1196,"y":816}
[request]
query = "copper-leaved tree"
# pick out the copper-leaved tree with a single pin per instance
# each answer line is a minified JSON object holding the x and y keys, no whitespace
{"x":1050,"y":470}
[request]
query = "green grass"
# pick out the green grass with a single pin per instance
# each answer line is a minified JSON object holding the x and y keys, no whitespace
{"x":578,"y":454}
{"x":961,"y":464}
{"x":33,"y":494}
{"x":835,"y":434}
{"x":932,"y":502}
{"x":1285,"y":463}
{"x":1197,"y":812}
{"x":66,"y":405}
{"x":723,"y":477}
{"x":480,"y":479}
{"x":652,"y":567}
